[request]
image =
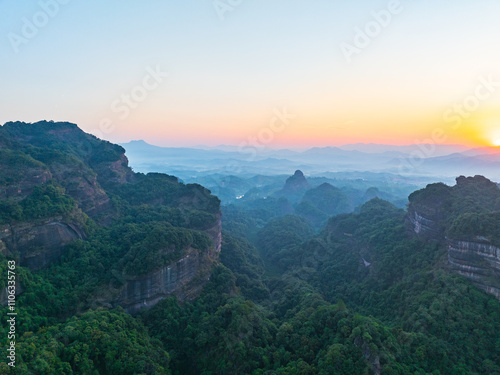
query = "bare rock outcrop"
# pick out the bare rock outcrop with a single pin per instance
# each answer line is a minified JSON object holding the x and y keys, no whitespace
{"x":38,"y":244}
{"x":183,"y":278}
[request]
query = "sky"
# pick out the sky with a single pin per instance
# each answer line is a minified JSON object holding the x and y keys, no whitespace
{"x":281,"y":73}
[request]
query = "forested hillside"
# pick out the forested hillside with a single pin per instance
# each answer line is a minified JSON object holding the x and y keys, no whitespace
{"x":93,"y":241}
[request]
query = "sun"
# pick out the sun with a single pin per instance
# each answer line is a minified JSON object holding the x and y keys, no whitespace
{"x":496,"y":142}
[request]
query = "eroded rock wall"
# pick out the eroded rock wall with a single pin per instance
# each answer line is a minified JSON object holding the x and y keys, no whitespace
{"x":38,"y":243}
{"x":183,"y":278}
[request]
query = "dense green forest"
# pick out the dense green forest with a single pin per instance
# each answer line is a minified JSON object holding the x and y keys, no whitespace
{"x":360,"y":295}
{"x":304,"y":316}
{"x":308,"y":310}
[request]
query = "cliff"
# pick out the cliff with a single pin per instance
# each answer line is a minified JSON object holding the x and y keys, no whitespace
{"x":39,"y":243}
{"x":63,"y":191}
{"x":182,"y":278}
{"x":477,"y":260}
{"x":465,"y":219}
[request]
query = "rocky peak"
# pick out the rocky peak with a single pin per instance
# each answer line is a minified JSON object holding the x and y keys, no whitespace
{"x":296,"y":183}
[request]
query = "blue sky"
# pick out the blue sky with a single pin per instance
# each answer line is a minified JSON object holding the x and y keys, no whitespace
{"x":226,"y":77}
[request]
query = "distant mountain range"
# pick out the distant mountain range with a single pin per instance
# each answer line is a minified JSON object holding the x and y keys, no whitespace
{"x":414,"y":161}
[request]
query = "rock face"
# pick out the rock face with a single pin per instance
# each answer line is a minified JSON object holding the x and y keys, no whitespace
{"x":421,"y":225}
{"x":38,"y":244}
{"x":145,"y":292}
{"x":436,"y":212}
{"x":478,"y":261}
{"x":183,"y":278}
{"x":427,"y":211}
{"x":82,"y":185}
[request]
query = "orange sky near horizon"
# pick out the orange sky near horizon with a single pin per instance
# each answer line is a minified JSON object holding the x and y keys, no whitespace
{"x":182,"y":76}
{"x":479,"y":129}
